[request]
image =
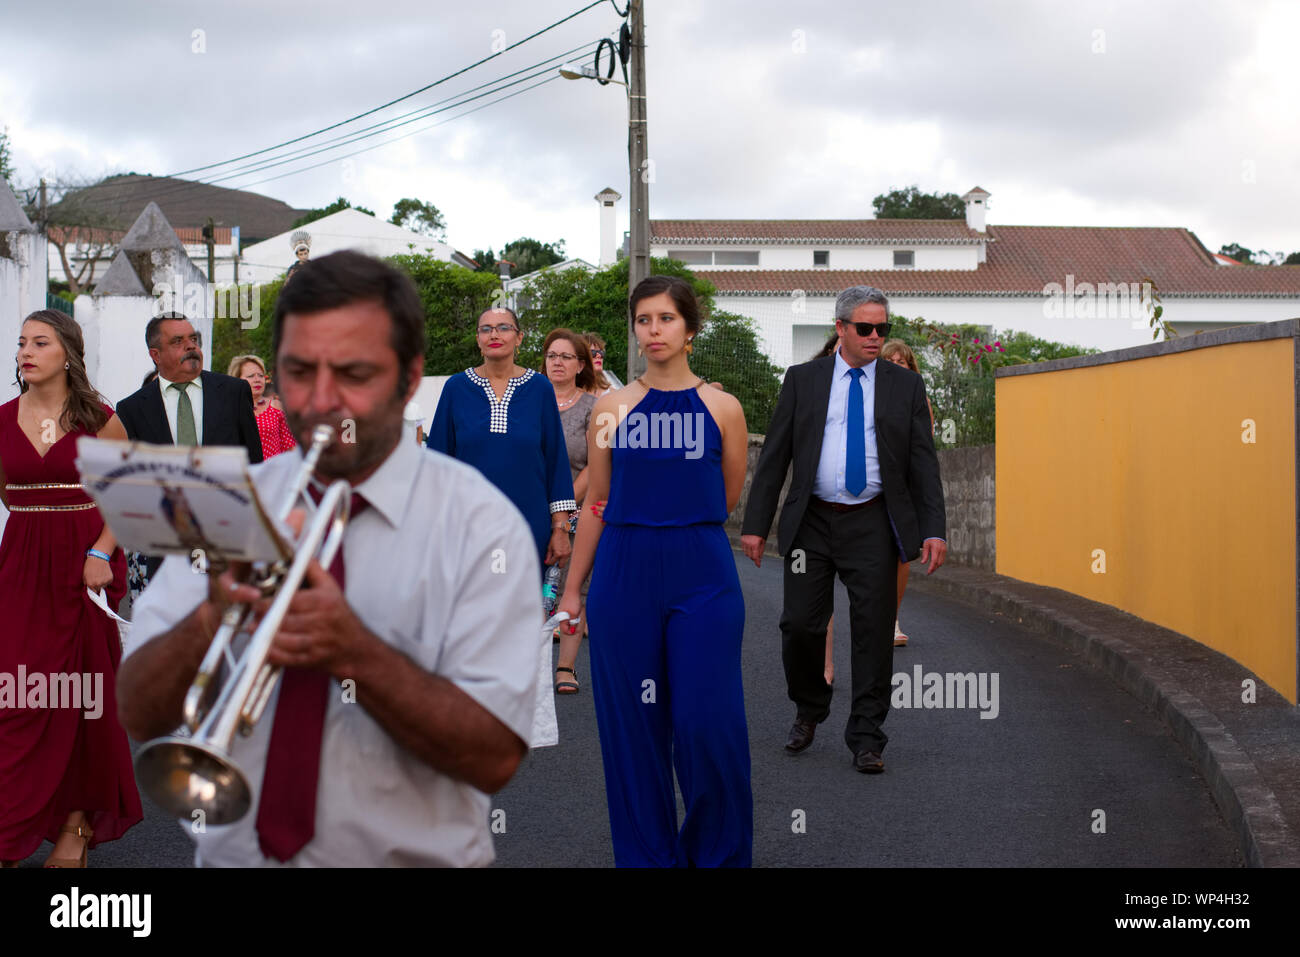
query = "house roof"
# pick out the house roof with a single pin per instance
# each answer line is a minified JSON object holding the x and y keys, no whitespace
{"x":801,"y":232}
{"x":188,"y":235}
{"x":119,"y":200}
{"x":1023,"y":260}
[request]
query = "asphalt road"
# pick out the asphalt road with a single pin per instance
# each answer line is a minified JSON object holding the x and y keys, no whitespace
{"x":1068,"y":754}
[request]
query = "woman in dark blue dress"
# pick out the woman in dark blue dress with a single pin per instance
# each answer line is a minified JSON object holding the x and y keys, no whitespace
{"x":665,"y":605}
{"x":503,"y":420}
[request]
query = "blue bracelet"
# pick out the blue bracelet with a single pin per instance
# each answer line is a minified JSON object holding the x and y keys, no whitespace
{"x":96,"y":553}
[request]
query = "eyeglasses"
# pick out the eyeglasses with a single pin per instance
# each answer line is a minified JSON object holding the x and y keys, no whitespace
{"x":566,"y":356}
{"x":505,"y":329}
{"x":598,"y":353}
{"x":864,"y":328}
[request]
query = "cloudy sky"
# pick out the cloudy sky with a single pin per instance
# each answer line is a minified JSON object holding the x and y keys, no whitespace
{"x":1163,"y":112}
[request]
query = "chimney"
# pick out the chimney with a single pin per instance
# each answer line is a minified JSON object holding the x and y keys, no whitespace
{"x":607,"y":198}
{"x":503,"y":268}
{"x":977,"y":202}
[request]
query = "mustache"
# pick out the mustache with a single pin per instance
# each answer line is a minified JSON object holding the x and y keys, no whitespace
{"x":192,"y":354}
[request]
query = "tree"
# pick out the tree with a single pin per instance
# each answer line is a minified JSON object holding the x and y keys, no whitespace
{"x":911,"y":203}
{"x":727,"y":349}
{"x":453,"y":299}
{"x":1236,"y":251}
{"x":6,"y":158}
{"x":526,"y":255}
{"x":82,"y":231}
{"x":423,"y":218}
{"x":1260,"y":257}
{"x":337,"y":206}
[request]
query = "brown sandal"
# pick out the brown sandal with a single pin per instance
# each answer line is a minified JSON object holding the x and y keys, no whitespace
{"x":567,"y":687}
{"x":85,"y":833}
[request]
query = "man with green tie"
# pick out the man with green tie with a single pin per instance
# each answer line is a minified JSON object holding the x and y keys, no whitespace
{"x":186,"y":405}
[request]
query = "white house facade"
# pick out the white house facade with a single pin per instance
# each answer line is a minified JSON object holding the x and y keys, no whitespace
{"x":1086,"y":286}
{"x":347,"y":229}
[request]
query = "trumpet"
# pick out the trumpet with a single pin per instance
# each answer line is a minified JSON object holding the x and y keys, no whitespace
{"x":185,"y":774}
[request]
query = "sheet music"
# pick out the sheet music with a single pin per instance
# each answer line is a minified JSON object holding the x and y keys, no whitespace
{"x":178,"y":500}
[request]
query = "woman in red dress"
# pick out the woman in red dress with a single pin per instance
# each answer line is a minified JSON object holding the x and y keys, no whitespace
{"x":271,"y":425}
{"x":65,"y":764}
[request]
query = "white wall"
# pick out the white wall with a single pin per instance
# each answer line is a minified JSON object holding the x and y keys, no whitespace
{"x":22,"y":292}
{"x":11,"y":320}
{"x":845,"y":257}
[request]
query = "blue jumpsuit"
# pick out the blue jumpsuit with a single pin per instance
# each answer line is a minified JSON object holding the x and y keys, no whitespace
{"x":667,"y":616}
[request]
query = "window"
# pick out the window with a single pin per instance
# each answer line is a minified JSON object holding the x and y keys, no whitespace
{"x":821,"y":257}
{"x":904,"y":258}
{"x":733,"y":257}
{"x":692,"y":257}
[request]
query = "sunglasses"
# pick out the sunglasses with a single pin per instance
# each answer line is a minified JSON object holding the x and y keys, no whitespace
{"x":864,"y":328}
{"x":598,"y":353}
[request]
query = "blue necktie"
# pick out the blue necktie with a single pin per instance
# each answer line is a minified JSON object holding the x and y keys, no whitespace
{"x":855,"y":463}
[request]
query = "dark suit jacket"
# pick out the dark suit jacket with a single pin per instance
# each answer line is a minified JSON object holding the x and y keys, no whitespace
{"x":227,"y":414}
{"x":909,"y":467}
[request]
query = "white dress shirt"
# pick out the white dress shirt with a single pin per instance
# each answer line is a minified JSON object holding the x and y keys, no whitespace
{"x":829,"y":483}
{"x":442,"y":567}
{"x":171,"y":401}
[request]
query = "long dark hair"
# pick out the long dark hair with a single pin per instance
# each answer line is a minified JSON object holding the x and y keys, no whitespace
{"x":829,"y":348}
{"x":84,"y":408}
{"x":678,"y":289}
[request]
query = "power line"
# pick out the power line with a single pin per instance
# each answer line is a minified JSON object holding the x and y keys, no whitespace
{"x":376,"y":146}
{"x":356,"y":136}
{"x":377,"y":129}
{"x":399,"y":99}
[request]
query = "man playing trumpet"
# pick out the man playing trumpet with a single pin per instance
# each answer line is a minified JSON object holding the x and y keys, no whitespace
{"x":410,"y":666}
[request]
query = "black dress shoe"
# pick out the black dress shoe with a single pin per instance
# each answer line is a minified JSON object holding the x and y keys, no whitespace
{"x":868,"y":762}
{"x":801,"y":735}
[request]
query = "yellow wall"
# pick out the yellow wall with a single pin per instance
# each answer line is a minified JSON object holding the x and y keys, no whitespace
{"x":1145,"y":460}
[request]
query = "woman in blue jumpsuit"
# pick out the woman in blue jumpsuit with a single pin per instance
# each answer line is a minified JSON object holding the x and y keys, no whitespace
{"x":665,"y":610}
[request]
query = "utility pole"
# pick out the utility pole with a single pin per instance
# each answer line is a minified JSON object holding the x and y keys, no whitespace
{"x":45,"y":231}
{"x":210,"y":237}
{"x":639,"y":197}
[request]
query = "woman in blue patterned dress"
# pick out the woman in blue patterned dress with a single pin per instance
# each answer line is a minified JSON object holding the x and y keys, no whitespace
{"x":502,"y":419}
{"x":665,"y":604}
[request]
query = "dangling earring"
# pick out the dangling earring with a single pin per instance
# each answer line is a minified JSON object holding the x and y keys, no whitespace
{"x":639,"y":351}
{"x":690,"y":346}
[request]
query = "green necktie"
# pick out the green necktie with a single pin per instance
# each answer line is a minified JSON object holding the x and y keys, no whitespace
{"x":185,"y":434}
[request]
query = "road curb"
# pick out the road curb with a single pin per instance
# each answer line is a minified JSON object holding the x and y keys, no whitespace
{"x":1247,"y":803}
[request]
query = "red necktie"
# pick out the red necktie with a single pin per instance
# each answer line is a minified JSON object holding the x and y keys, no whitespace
{"x":286,"y":813}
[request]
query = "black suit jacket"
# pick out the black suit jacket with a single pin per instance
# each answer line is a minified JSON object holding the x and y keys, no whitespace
{"x":227,"y":414}
{"x":909,"y":467}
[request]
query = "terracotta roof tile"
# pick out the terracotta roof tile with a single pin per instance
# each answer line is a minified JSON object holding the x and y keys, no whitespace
{"x":189,"y":235}
{"x":1022,"y":260}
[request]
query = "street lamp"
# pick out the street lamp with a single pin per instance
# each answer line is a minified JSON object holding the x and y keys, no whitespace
{"x":630,"y":51}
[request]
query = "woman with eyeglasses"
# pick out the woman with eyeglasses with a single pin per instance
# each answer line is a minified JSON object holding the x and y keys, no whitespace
{"x":503,"y":420}
{"x":274,"y":431}
{"x":567,"y":363}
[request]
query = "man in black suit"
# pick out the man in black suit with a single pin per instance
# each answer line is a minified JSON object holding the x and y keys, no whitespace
{"x":185,"y":405}
{"x":865,"y":494}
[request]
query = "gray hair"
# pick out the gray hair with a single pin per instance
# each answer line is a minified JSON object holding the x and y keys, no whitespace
{"x":849,"y":300}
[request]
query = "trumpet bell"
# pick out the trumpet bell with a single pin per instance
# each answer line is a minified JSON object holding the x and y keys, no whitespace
{"x":186,"y":776}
